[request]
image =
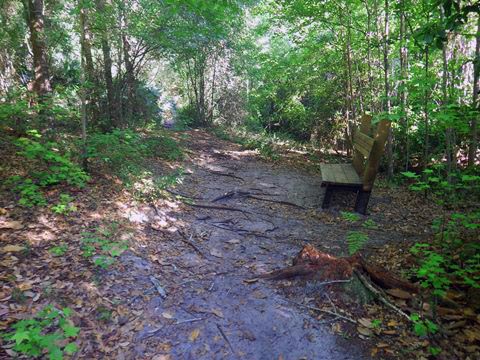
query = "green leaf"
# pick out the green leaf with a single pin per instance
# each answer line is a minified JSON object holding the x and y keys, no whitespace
{"x":70,"y":331}
{"x":71,"y":348}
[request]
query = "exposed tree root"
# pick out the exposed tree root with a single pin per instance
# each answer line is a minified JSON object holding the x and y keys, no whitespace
{"x":226,"y":174}
{"x":246,"y":194}
{"x":311,"y":263}
{"x":217,"y":207}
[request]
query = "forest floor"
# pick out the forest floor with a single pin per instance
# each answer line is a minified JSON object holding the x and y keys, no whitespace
{"x":183,"y":288}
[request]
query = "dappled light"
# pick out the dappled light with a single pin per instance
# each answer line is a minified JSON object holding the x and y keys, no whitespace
{"x":235,"y":179}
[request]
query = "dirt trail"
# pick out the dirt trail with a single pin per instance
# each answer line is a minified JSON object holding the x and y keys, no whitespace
{"x":209,"y":311}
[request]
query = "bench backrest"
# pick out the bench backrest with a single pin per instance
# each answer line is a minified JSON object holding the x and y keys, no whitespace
{"x":368,"y":145}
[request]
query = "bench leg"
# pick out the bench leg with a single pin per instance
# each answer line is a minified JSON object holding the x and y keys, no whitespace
{"x":327,"y":197}
{"x":362,"y":201}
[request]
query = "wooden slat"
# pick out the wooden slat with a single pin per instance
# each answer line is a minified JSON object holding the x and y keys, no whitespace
{"x":343,"y":174}
{"x":363,"y":143}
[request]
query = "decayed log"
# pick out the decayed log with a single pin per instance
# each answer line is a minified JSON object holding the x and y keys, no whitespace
{"x":310,"y":263}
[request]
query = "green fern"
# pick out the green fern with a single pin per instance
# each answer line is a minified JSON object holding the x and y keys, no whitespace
{"x":350,"y":217}
{"x":356,"y":240}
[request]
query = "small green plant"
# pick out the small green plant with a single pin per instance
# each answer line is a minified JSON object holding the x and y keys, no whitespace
{"x":432,"y":270}
{"x":64,"y":205}
{"x":51,"y":168}
{"x":423,"y":327}
{"x":356,"y":240}
{"x":376,"y":323}
{"x":349,"y":216}
{"x":370,"y":224}
{"x":101,"y":248}
{"x":59,"y":250}
{"x":47,"y":332}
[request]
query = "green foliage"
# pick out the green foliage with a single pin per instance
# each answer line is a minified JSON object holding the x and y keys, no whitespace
{"x":423,"y":327}
{"x":48,"y":332}
{"x":370,"y":224}
{"x":47,"y":167}
{"x":349,"y":216}
{"x":149,"y":188}
{"x":59,"y":250}
{"x":101,"y":247}
{"x":432,"y":270}
{"x":447,"y":188}
{"x":125,"y":152}
{"x":64,"y":205}
{"x":356,"y":240}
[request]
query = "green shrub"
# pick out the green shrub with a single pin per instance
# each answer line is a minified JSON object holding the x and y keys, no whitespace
{"x":48,"y":167}
{"x":46,"y":332}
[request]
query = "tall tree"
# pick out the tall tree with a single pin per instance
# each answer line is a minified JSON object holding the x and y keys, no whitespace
{"x":472,"y":150}
{"x":36,"y":23}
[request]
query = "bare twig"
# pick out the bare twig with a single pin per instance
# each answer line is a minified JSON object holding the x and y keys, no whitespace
{"x":188,"y":321}
{"x":225,"y":338}
{"x":189,"y":242}
{"x":161,"y":291}
{"x":323,"y":311}
{"x":379,"y":295}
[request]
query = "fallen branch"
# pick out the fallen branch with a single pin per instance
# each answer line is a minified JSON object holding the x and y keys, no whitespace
{"x":190,"y":243}
{"x":225,"y":338}
{"x":161,"y":291}
{"x":188,"y":321}
{"x":377,"y":293}
{"x":333,"y":313}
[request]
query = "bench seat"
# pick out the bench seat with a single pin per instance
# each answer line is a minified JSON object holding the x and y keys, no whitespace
{"x":341,"y":174}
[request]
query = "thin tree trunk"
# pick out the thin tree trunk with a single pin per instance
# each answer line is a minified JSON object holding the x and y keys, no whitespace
{"x":448,"y":131}
{"x":403,"y":90}
{"x":386,"y":67}
{"x":107,"y":70}
{"x":87,"y":67}
{"x":426,"y":149}
{"x":36,"y":23}
{"x":472,"y":150}
{"x":130,"y":76}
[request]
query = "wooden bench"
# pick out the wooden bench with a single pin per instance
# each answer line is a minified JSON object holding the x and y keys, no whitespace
{"x":360,"y":175}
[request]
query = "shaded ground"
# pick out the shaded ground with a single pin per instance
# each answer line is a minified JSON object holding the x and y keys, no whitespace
{"x":179,"y":292}
{"x":231,"y":317}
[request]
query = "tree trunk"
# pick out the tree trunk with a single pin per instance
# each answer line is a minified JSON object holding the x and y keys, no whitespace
{"x":35,"y":19}
{"x":130,"y":76}
{"x":386,"y":67}
{"x":107,"y":70}
{"x":403,"y":91}
{"x":449,"y":130}
{"x":472,"y":150}
{"x":426,"y":149}
{"x":87,"y":67}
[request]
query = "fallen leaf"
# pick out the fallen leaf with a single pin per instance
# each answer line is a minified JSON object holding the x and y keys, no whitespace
{"x":218,"y":313}
{"x":167,"y":315}
{"x":364,"y":331}
{"x":399,"y":293}
{"x":14,"y":225}
{"x":216,"y":253}
{"x":194,"y":335}
{"x":250,"y":281}
{"x":389,"y":332}
{"x":365,"y":322}
{"x":12,"y":248}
